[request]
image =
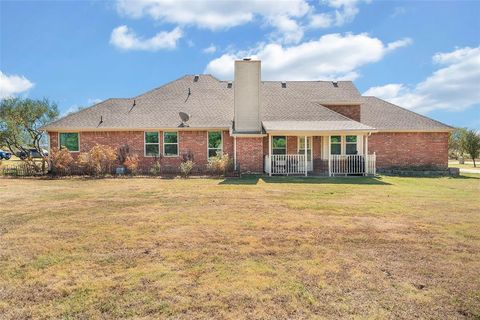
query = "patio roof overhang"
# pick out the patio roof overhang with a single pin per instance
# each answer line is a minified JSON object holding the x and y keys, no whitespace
{"x":310,"y":128}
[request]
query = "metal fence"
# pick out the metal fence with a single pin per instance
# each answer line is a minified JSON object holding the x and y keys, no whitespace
{"x":25,"y":170}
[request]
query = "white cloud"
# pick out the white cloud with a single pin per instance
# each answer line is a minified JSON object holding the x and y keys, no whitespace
{"x":399,"y":43}
{"x":211,"y":15}
{"x":11,"y":85}
{"x":454,"y":86}
{"x":92,"y":101}
{"x":210,"y":49}
{"x":321,"y":20}
{"x":288,"y":30}
{"x":398,"y":11}
{"x":344,"y":11}
{"x":124,"y":38}
{"x":289,"y":19}
{"x":333,"y":56}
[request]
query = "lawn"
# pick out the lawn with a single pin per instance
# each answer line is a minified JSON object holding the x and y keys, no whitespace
{"x":241,"y":248}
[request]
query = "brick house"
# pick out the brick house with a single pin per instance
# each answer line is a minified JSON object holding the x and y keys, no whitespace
{"x":289,"y":127}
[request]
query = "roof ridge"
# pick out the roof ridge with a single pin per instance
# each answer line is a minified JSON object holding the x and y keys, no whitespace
{"x":163,"y":85}
{"x":410,"y":111}
{"x":82,"y":110}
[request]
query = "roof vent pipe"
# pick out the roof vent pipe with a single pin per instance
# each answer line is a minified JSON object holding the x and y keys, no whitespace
{"x":229,"y":85}
{"x":284,"y":84}
{"x":195,"y":78}
{"x":335,"y":84}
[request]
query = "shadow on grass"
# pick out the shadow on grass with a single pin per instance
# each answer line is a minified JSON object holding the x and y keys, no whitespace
{"x":254,"y":179}
{"x":474,"y":176}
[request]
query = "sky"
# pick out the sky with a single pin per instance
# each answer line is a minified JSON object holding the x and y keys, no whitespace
{"x":421,"y":55}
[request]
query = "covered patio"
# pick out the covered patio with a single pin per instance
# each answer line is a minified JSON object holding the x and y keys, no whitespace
{"x":320,"y":148}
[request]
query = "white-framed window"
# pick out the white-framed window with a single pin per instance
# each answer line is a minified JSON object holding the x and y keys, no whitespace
{"x":152,"y":144}
{"x":301,"y":147}
{"x":170,"y":143}
{"x":69,"y":140}
{"x":279,"y":145}
{"x":335,"y":144}
{"x":351,"y":145}
{"x":215,"y":143}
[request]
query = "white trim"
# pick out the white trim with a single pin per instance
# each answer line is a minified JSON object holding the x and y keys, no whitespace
{"x":311,"y":147}
{"x":343,"y":143}
{"x":356,"y":143}
{"x":329,"y":156}
{"x":305,"y":155}
{"x":413,"y":130}
{"x":235,"y":152}
{"x":342,"y":139}
{"x":134,"y":129}
{"x":270,"y":154}
{"x":221,"y":143}
{"x":145,"y":144}
{"x":59,"y":146}
{"x":178,"y":144}
{"x":286,"y":142}
{"x":319,"y":133}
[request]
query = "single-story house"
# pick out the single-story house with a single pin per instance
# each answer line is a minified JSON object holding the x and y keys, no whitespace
{"x":276,"y":127}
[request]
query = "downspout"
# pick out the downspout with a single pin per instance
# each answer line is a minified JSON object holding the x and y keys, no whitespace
{"x":235,"y":152}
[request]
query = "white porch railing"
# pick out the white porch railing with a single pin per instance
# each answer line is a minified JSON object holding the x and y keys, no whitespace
{"x":291,"y":164}
{"x":352,"y":164}
{"x":285,"y":164}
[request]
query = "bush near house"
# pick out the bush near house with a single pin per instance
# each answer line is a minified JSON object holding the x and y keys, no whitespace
{"x":131,"y":164}
{"x":186,"y":168}
{"x":219,"y":164}
{"x":60,"y":160}
{"x":100,"y":160}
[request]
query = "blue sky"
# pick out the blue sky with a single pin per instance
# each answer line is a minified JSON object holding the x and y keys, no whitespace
{"x":423,"y":55}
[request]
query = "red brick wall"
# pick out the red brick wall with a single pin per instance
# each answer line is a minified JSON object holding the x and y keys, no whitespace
{"x":250,"y":154}
{"x":352,"y":112}
{"x":399,"y":149}
{"x":194,"y":141}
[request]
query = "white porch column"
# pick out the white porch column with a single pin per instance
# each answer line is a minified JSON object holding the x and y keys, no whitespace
{"x":329,"y":156}
{"x":366,"y":156}
{"x":366,"y":144}
{"x":306,"y":147}
{"x":270,"y":154}
{"x":235,"y":152}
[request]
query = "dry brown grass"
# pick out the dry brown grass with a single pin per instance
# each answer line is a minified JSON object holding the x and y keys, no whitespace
{"x":249,"y":248}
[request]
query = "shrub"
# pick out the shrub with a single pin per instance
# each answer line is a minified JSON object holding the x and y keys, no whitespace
{"x":99,"y":160}
{"x":188,"y":156}
{"x":123,"y":153}
{"x":131,"y":164}
{"x":186,"y":168}
{"x":219,"y":164}
{"x":60,"y":160}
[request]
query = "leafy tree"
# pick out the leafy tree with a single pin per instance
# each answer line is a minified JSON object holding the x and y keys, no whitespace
{"x":454,"y":142}
{"x":21,"y":121}
{"x":470,"y":144}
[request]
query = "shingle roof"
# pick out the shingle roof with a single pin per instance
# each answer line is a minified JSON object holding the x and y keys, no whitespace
{"x":386,"y":116}
{"x":210,"y":105}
